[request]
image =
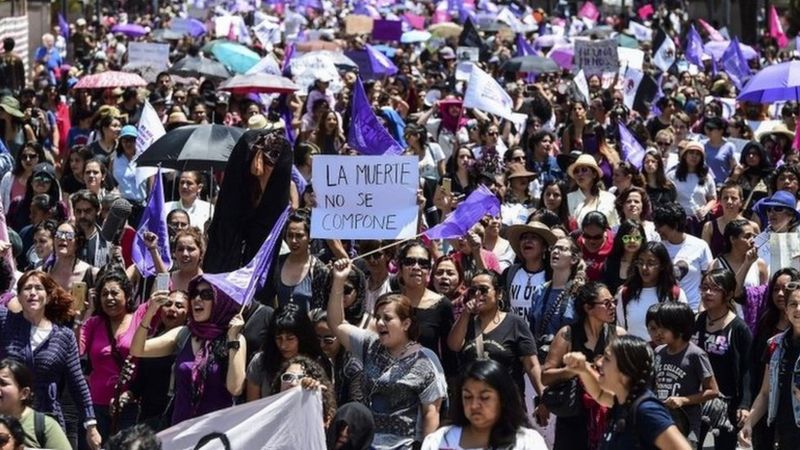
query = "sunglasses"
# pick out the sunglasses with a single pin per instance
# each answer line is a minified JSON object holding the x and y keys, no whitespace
{"x":291,"y":377}
{"x":327,"y":340}
{"x":663,"y":144}
{"x":593,"y":237}
{"x":408,"y":261}
{"x":518,"y":158}
{"x":348,"y":289}
{"x":792,"y":286}
{"x":631,"y":238}
{"x":205,"y":295}
{"x":473,"y":291}
{"x":28,"y":156}
{"x":65,"y":235}
{"x":582,"y":169}
{"x":777,"y":209}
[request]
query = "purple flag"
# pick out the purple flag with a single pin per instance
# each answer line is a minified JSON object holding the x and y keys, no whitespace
{"x":242,"y":284}
{"x":523,"y":47}
{"x":479,"y":203}
{"x":63,"y":25}
{"x":632,"y":150}
{"x":735,"y":64}
{"x":465,"y":14}
{"x":154,"y":220}
{"x":366,"y":134}
{"x":694,"y":47}
{"x":299,"y":180}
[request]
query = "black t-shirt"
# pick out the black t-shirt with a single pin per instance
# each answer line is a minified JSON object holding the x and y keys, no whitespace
{"x":435,"y":324}
{"x":729,"y":352}
{"x":506,"y":344}
{"x":256,"y":328}
{"x":652,"y":419}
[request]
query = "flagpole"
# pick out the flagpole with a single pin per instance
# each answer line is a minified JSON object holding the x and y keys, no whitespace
{"x":393,"y":244}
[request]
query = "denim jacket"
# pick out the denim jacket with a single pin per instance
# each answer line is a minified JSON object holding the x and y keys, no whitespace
{"x":777,"y":343}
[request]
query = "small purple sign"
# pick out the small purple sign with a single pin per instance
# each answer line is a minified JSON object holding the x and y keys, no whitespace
{"x":387,"y":30}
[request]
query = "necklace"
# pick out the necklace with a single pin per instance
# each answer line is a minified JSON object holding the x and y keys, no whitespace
{"x":711,"y":321}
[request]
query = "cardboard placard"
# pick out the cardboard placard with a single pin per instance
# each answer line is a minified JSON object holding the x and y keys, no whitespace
{"x":357,"y":24}
{"x":596,"y":57}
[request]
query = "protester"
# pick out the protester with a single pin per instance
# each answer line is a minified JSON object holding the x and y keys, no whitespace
{"x":486,"y":412}
{"x":190,"y":187}
{"x":731,"y":201}
{"x":660,"y":190}
{"x":596,"y":240}
{"x":15,"y":182}
{"x":66,"y":268}
{"x":11,"y":428}
{"x":628,"y":241}
{"x":694,"y":184}
{"x":405,"y":402}
{"x":590,"y":194}
{"x":530,"y":243}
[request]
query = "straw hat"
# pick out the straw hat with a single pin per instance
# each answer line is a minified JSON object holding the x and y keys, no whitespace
{"x":519,"y":171}
{"x":586,"y":161}
{"x":780,"y":129}
{"x":259,"y":122}
{"x":514,"y":233}
{"x":177,"y":119}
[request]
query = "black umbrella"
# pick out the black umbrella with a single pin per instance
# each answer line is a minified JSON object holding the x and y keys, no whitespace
{"x":530,"y":64}
{"x":198,"y":66}
{"x":192,"y":147}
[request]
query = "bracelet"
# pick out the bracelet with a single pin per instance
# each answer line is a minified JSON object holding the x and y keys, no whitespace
{"x":142,"y":325}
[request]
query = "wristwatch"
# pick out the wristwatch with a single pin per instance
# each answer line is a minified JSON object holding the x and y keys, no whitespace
{"x":234,"y":345}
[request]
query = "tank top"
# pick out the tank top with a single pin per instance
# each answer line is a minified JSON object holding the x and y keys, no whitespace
{"x":717,"y":239}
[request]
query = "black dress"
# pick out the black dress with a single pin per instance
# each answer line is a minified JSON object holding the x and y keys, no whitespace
{"x":435,"y":324}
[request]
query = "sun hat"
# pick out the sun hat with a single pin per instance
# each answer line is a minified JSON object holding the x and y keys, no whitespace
{"x":691,"y":145}
{"x":585,"y":160}
{"x":11,"y":105}
{"x":783,"y":199}
{"x":515,"y":232}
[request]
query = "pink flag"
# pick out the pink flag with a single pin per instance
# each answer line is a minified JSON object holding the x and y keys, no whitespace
{"x":713,"y":34}
{"x":589,"y":11}
{"x":416,"y":22}
{"x":796,"y":143}
{"x":775,"y":27}
{"x":646,"y":11}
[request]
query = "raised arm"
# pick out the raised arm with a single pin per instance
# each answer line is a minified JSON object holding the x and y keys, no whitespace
{"x":159,"y":346}
{"x":336,"y":321}
{"x":237,"y":353}
{"x":576,"y":362}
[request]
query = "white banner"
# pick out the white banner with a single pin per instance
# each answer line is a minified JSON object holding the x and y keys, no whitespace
{"x":630,"y":57}
{"x":149,"y":129}
{"x":289,"y":420}
{"x":583,"y":86}
{"x":156,"y":55}
{"x":17,"y":28}
{"x":485,"y":94}
{"x":596,"y":57}
{"x":365,"y":197}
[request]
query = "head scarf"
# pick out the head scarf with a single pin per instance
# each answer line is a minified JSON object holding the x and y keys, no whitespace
{"x":360,"y":427}
{"x":449,"y":121}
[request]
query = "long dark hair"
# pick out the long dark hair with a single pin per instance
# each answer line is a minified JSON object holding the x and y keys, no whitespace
{"x":512,"y":413}
{"x":15,"y":429}
{"x":725,"y":280}
{"x":113,"y":275}
{"x":563,"y":209}
{"x":619,"y":203}
{"x":666,"y":275}
{"x":618,"y":248}
{"x":662,"y":182}
{"x":733,"y":229}
{"x":771,"y":315}
{"x":36,"y":147}
{"x":312,"y":369}
{"x":682,"y":171}
{"x":292,"y":319}
{"x":764,"y":167}
{"x":586,"y":295}
{"x":634,"y":360}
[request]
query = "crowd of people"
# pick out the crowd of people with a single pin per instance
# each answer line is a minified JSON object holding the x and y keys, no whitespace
{"x":613,"y":302}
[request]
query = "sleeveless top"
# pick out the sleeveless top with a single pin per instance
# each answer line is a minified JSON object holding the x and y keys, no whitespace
{"x":717,"y":243}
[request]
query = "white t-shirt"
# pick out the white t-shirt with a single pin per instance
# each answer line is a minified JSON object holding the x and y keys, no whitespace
{"x":633,"y":317}
{"x":449,"y":438}
{"x":691,"y":194}
{"x":428,"y":165}
{"x":521,"y":290}
{"x":199,"y":213}
{"x":691,"y":258}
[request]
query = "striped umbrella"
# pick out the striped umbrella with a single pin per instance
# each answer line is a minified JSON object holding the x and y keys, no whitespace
{"x":110,"y":79}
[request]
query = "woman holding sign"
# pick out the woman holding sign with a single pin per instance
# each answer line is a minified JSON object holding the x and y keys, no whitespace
{"x":402,"y":385}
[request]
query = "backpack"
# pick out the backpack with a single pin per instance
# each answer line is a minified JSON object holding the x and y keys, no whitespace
{"x":39,"y":431}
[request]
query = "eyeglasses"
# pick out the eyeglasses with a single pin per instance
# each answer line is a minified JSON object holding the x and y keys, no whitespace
{"x":561,"y":248}
{"x":348,"y":289}
{"x":631,"y":238}
{"x":792,"y":286}
{"x":410,"y":262}
{"x":663,"y":144}
{"x":648,"y":264}
{"x":593,"y":237}
{"x":28,"y":156}
{"x":206,"y":295}
{"x":65,"y":235}
{"x":327,"y":340}
{"x":288,"y":377}
{"x":471,"y":292}
{"x":608,"y":304}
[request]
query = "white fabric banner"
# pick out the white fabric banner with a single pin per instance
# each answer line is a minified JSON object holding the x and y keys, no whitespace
{"x":583,"y":86}
{"x":485,"y":94}
{"x":149,"y":129}
{"x":289,"y":420}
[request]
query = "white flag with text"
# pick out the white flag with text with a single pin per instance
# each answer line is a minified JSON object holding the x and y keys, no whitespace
{"x":485,"y":94}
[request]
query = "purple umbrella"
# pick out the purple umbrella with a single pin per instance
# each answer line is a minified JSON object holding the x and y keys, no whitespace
{"x":191,"y":26}
{"x":717,"y":48}
{"x":130,"y":30}
{"x":779,"y":82}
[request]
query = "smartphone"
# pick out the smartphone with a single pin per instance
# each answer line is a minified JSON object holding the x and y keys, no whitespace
{"x":162,"y":281}
{"x":79,"y":292}
{"x":447,"y":185}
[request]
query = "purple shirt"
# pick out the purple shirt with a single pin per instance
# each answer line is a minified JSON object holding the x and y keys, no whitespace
{"x":215,"y":392}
